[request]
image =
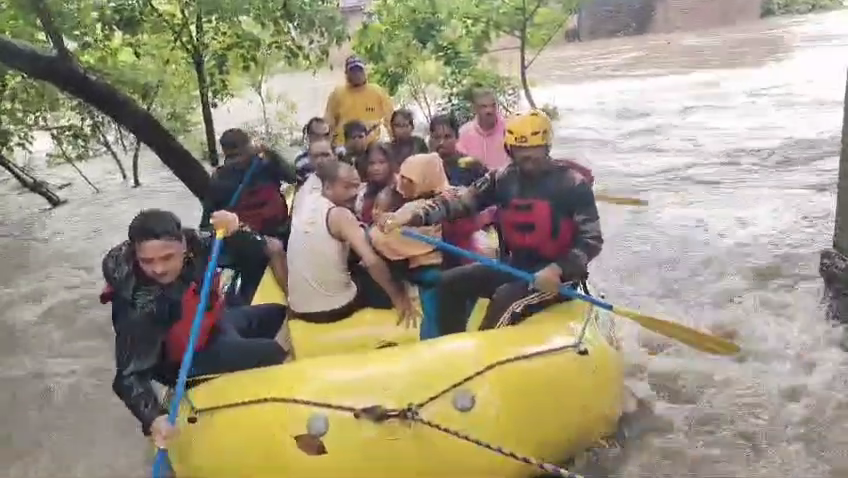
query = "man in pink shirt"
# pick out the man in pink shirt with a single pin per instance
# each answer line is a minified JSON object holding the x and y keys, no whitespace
{"x":483,"y":136}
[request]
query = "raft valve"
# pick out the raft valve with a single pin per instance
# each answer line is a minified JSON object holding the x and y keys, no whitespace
{"x":317,"y":425}
{"x":463,"y":400}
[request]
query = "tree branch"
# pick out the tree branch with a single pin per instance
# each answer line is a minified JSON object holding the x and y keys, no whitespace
{"x":544,"y":45}
{"x":177,"y":34}
{"x":71,"y":79}
{"x":51,"y":30}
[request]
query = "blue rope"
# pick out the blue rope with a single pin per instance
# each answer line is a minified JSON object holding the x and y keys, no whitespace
{"x":518,"y":273}
{"x":188,"y":356}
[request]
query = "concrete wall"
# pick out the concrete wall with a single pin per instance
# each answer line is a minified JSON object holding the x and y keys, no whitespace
{"x":610,"y":18}
{"x":684,"y":15}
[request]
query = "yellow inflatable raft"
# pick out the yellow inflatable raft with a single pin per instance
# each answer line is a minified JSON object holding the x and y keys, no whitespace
{"x":472,"y":405}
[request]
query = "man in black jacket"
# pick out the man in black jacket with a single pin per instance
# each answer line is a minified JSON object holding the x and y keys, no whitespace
{"x":153,"y":282}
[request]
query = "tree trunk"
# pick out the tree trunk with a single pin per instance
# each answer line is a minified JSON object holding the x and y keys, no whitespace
{"x":31,"y":182}
{"x":834,"y":262}
{"x":136,"y":154}
{"x":522,"y":61}
{"x":104,"y":140}
{"x":71,"y":79}
{"x":199,"y":61}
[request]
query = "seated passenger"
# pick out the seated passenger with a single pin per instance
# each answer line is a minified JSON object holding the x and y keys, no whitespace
{"x":420,"y":177}
{"x":461,"y":171}
{"x":324,"y":230}
{"x":260,"y":205}
{"x":548,"y":219}
{"x":379,"y":175}
{"x":153,"y":282}
{"x":356,"y":145}
{"x":315,"y":129}
{"x":320,"y":152}
{"x":404,"y":143}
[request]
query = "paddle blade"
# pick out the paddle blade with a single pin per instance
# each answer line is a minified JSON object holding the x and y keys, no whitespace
{"x":686,"y":335}
{"x":621,"y":201}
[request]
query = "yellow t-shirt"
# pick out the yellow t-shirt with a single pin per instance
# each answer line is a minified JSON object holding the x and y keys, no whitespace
{"x":368,"y":103}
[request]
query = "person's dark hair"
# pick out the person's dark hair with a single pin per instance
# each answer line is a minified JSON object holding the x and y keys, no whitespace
{"x":153,"y":225}
{"x":405,"y":114}
{"x":307,"y":128}
{"x":448,"y":121}
{"x":385,"y":149}
{"x":354,"y":127}
{"x":234,"y":139}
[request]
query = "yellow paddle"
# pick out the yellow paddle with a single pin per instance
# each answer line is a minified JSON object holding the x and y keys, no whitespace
{"x":621,"y":201}
{"x":683,"y":334}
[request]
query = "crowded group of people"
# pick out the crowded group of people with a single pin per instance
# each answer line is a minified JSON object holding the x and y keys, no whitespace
{"x":336,"y":250}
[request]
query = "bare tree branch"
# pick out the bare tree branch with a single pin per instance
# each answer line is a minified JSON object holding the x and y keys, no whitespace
{"x":544,"y":45}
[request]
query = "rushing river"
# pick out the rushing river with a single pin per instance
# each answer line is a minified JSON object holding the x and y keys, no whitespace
{"x":733,"y":138}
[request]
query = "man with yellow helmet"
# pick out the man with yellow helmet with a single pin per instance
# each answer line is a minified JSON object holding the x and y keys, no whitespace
{"x":547,"y":218}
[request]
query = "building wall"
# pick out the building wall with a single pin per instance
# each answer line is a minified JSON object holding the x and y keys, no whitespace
{"x":684,"y":15}
{"x":610,"y":18}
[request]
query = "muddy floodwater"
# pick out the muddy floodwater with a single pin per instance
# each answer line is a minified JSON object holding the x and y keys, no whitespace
{"x":731,"y":135}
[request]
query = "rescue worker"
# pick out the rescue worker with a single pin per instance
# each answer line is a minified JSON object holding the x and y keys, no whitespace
{"x":261,"y":206}
{"x":153,"y":282}
{"x":548,"y":220}
{"x":323,"y":287}
{"x":358,"y":100}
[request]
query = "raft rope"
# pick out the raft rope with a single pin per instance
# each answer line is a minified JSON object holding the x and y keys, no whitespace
{"x":411,"y":413}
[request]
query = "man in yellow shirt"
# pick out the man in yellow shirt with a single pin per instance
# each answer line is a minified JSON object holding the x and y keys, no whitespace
{"x":357,"y":100}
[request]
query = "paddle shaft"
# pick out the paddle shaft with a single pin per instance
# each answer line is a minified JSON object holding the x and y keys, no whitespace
{"x":518,"y":273}
{"x":188,"y":356}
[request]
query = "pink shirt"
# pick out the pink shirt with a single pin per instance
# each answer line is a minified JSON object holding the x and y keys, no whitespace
{"x":486,"y":146}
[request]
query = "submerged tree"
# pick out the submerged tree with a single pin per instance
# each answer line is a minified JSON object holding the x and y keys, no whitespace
{"x":534,"y":24}
{"x":121,"y":60}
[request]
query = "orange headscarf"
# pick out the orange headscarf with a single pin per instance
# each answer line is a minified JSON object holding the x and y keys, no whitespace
{"x":427,"y":173}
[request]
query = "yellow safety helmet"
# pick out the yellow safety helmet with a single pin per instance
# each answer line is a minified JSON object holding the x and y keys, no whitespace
{"x":530,"y":129}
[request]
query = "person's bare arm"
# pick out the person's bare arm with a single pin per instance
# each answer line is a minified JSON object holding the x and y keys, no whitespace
{"x":277,"y":262}
{"x":344,"y":226}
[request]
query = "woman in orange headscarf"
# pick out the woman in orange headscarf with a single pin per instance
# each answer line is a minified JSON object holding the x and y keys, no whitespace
{"x":420,"y":177}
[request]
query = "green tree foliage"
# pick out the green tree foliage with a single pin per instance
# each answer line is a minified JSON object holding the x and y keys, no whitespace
{"x":95,"y":74}
{"x":217,"y":38}
{"x":434,"y":52}
{"x":431,"y":52}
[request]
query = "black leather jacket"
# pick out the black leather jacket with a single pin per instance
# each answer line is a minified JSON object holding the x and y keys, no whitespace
{"x":143,"y":311}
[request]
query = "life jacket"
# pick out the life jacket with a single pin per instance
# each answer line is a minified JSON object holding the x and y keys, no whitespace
{"x":534,"y":223}
{"x":460,"y":233}
{"x":262,"y":208}
{"x":177,"y":337}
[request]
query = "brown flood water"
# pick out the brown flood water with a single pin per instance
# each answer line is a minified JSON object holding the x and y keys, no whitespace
{"x":731,"y":135}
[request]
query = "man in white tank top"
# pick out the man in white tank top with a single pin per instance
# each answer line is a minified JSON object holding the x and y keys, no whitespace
{"x":323,"y":230}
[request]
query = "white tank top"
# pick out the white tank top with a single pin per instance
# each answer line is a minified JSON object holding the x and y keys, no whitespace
{"x":310,"y":188}
{"x":319,"y":279}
